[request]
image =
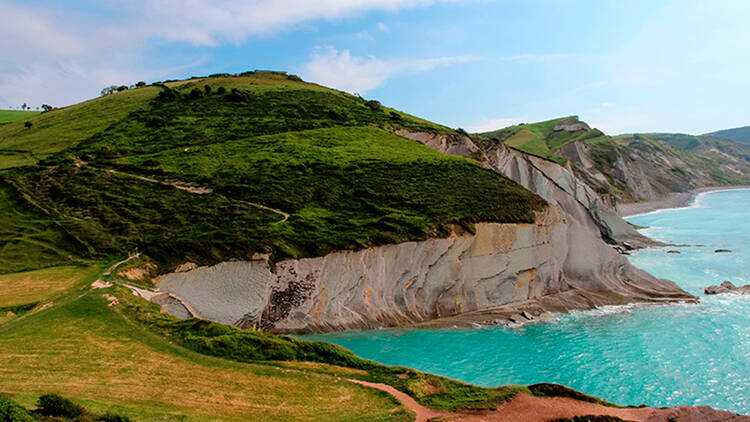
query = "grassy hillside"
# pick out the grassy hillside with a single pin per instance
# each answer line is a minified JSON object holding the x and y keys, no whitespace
{"x":740,"y":134}
{"x":110,"y":351}
{"x":633,"y":167}
{"x":7,"y":116}
{"x":543,"y":139}
{"x":221,"y":168}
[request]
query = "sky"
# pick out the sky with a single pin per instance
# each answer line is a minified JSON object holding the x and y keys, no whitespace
{"x":622,"y":66}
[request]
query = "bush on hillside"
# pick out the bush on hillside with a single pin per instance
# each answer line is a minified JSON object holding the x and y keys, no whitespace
{"x":122,"y":88}
{"x":196,"y":93}
{"x":374,"y":105}
{"x":207,"y":89}
{"x":27,"y":125}
{"x":111,"y":417}
{"x":294,"y":78}
{"x":54,"y":405}
{"x":140,"y":84}
{"x":221,"y":90}
{"x":11,"y":412}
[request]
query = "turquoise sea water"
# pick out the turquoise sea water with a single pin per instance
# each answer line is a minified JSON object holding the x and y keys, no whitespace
{"x":658,"y":355}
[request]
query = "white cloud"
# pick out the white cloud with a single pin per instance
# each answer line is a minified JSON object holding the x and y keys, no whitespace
{"x":493,"y":124}
{"x":211,"y":22}
{"x":351,"y":73}
{"x":58,"y":55}
{"x":383,"y":27}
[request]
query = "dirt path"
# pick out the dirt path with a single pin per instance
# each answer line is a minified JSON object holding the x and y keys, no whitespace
{"x":522,"y":407}
{"x":424,"y":414}
{"x":198,"y":190}
{"x":99,"y":284}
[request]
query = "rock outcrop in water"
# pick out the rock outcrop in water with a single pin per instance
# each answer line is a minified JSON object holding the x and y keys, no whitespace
{"x":559,"y":263}
{"x":727,"y":287}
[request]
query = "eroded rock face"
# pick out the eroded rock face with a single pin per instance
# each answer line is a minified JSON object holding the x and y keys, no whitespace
{"x":501,"y":270}
{"x":553,"y":182}
{"x":559,"y":263}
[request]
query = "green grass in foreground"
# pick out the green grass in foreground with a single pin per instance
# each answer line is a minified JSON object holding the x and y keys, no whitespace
{"x":86,"y":351}
{"x":7,"y":116}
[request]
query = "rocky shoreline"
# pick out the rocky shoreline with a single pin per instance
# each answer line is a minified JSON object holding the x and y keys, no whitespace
{"x":673,"y":200}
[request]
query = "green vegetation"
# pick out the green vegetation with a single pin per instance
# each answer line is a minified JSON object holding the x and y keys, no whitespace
{"x":105,"y":361}
{"x":225,"y":167}
{"x":214,"y":339}
{"x":29,"y":239}
{"x":739,"y":134}
{"x":12,"y":412}
{"x":7,"y":116}
{"x":544,"y":139}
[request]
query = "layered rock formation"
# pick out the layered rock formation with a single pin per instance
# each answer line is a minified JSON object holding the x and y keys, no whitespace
{"x":559,"y":263}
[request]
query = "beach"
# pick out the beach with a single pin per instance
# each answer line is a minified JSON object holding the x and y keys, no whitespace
{"x":673,"y":200}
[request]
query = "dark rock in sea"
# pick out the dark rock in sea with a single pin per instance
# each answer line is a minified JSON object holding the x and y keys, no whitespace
{"x":722,"y":251}
{"x":674,"y":252}
{"x":727,"y":287}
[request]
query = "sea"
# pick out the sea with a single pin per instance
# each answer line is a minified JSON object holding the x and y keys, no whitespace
{"x":658,"y":355}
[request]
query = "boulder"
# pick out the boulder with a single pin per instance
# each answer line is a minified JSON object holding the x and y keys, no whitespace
{"x":727,"y":287}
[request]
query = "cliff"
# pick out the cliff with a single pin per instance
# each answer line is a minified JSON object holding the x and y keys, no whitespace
{"x":558,"y":263}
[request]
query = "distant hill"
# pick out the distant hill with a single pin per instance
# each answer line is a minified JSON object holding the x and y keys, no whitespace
{"x":634,"y":167}
{"x":7,"y":116}
{"x":739,"y":134}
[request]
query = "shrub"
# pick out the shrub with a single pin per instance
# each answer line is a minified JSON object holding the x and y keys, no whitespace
{"x":140,"y":84}
{"x":220,"y":75}
{"x":195,"y":93}
{"x":396,"y":117}
{"x":46,"y":108}
{"x":207,"y":89}
{"x":462,"y":131}
{"x":27,"y":125}
{"x":121,"y":88}
{"x":111,"y":417}
{"x":54,"y":405}
{"x":221,"y":90}
{"x":11,"y":412}
{"x":294,"y":78}
{"x":374,"y":105}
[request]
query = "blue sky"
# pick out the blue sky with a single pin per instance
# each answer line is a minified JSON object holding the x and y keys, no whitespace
{"x":623,"y":66}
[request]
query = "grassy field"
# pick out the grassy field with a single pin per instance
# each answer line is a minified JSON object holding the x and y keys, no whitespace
{"x":87,"y":351}
{"x":7,"y":116}
{"x":131,"y":359}
{"x":328,"y":159}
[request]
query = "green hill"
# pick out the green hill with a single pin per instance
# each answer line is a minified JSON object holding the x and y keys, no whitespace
{"x":7,"y":116}
{"x":740,"y":134}
{"x":544,"y":139}
{"x":220,"y":168}
{"x":634,"y":167}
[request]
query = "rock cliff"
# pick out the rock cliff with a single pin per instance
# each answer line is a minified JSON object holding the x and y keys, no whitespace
{"x":560,"y":262}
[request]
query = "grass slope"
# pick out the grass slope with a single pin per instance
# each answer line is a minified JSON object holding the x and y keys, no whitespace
{"x":541,"y":138}
{"x":740,"y":134}
{"x":7,"y":116}
{"x":85,"y":350}
{"x":29,"y":239}
{"x":260,"y":147}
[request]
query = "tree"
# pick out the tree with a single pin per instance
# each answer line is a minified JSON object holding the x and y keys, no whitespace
{"x":140,"y":84}
{"x":109,"y":90}
{"x":46,"y":108}
{"x":122,"y":88}
{"x":23,"y":107}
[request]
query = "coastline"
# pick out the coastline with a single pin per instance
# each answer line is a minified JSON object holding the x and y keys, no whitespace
{"x":672,"y":201}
